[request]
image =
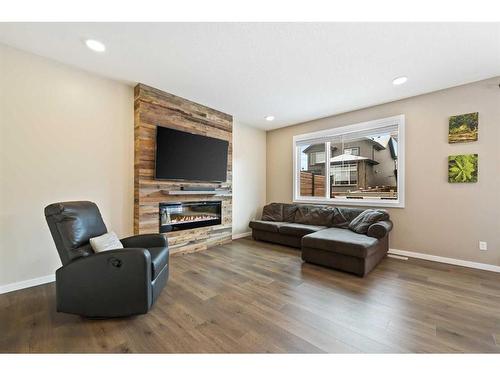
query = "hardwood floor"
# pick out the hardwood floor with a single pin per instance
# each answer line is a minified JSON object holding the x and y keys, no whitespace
{"x":256,"y":297}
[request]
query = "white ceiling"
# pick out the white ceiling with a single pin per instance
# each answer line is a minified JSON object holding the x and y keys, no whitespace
{"x":294,"y":71}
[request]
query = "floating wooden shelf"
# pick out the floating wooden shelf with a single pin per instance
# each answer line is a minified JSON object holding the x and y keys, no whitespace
{"x":196,"y":192}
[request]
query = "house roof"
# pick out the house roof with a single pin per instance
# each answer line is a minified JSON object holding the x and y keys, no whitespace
{"x":318,"y":147}
{"x":347,"y":157}
{"x":380,"y":143}
{"x":351,"y":158}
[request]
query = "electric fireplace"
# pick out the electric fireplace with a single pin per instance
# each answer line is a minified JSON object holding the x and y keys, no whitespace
{"x":189,"y":215}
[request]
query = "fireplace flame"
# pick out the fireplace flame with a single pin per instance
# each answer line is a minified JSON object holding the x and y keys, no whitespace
{"x":191,"y":218}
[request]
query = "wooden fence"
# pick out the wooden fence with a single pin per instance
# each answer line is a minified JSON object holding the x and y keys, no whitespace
{"x":312,"y":184}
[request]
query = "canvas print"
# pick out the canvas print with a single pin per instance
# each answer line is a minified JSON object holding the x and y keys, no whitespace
{"x":462,"y":168}
{"x":463,"y":128}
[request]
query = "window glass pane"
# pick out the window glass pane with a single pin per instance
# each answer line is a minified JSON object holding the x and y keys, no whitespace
{"x":364,"y":165}
{"x":351,"y":150}
{"x":312,"y":182}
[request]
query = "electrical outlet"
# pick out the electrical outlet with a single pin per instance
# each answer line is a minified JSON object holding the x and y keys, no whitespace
{"x":483,"y":245}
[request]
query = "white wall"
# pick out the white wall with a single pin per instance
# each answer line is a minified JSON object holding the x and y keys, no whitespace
{"x":249,"y":175}
{"x":64,"y":135}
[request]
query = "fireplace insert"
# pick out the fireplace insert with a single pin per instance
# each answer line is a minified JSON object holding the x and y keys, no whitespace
{"x":188,"y":215}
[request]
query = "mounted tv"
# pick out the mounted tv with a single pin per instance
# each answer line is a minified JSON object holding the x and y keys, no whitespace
{"x":186,"y":156}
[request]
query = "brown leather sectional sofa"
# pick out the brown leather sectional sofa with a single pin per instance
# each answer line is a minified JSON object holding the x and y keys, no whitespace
{"x":349,"y":239}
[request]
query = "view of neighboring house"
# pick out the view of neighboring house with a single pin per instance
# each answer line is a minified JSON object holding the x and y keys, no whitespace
{"x":364,"y":165}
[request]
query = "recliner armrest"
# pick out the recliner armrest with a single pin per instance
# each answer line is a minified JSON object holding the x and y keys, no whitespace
{"x":145,"y":240}
{"x":109,"y":283}
{"x":379,"y":229}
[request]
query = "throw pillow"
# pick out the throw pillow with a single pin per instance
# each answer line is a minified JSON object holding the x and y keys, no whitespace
{"x":343,"y":216}
{"x":108,"y":241}
{"x":366,"y":218}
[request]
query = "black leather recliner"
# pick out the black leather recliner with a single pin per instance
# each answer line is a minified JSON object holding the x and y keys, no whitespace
{"x":111,"y":283}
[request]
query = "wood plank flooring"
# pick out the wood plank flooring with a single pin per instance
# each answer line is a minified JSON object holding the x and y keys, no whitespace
{"x":254,"y":297}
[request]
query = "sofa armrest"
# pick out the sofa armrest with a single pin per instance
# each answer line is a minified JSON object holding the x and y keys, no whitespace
{"x":145,"y":241}
{"x":109,"y":283}
{"x":379,"y":229}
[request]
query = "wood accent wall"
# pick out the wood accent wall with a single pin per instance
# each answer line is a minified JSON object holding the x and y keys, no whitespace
{"x":152,"y":108}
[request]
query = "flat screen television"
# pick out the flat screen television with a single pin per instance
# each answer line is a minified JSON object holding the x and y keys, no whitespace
{"x":186,"y":156}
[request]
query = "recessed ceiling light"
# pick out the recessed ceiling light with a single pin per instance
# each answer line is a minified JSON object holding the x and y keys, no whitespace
{"x":95,"y":45}
{"x":269,"y":118}
{"x":399,"y":80}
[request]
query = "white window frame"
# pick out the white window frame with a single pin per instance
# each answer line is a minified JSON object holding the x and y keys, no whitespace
{"x":317,"y":137}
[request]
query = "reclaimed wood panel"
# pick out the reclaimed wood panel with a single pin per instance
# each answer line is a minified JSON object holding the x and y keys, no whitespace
{"x":153,"y":108}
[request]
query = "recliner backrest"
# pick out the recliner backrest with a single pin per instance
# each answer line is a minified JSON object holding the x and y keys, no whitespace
{"x":72,"y":224}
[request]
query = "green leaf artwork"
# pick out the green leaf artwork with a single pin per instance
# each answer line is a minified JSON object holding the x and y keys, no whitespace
{"x":462,"y":168}
{"x":463,"y":128}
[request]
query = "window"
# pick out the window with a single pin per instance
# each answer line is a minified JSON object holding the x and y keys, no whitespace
{"x":351,"y":151}
{"x":320,"y":157}
{"x":346,"y":174}
{"x":360,"y":164}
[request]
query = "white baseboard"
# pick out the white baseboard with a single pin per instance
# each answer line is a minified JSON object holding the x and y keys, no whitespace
{"x":456,"y":262}
{"x":27,"y":283}
{"x":241,"y":235}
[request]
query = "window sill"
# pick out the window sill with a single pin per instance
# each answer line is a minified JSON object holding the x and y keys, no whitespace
{"x":352,"y":202}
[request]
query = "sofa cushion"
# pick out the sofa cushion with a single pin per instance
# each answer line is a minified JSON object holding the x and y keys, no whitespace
{"x":342,"y":241}
{"x":272,"y":212}
{"x":159,"y":259}
{"x":342,"y":216}
{"x":267,"y":226}
{"x":299,"y":230}
{"x":289,"y":211}
{"x":314,"y":215}
{"x":366,"y":218}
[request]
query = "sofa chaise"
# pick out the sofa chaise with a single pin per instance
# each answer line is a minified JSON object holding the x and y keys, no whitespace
{"x":348,"y":239}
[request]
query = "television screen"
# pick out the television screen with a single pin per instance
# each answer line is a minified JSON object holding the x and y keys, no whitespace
{"x":186,"y":156}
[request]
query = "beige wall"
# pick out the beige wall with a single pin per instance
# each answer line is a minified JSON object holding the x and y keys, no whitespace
{"x":439,"y":218}
{"x":249,"y":175}
{"x":64,"y":135}
{"x":68,"y":135}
